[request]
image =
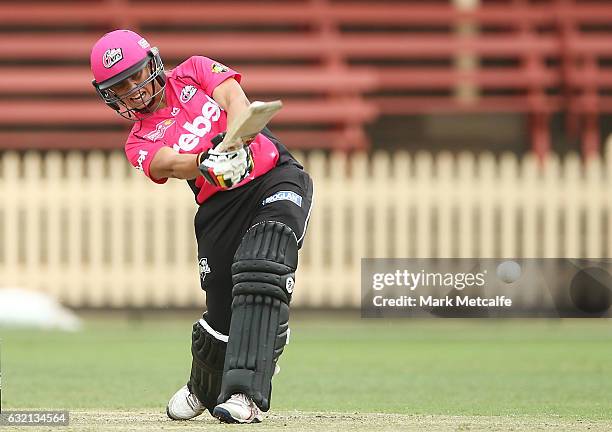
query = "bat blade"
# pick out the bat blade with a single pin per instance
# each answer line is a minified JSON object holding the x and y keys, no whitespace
{"x":250,"y":122}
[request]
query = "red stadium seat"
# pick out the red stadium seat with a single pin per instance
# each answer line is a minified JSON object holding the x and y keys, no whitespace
{"x":338,"y":65}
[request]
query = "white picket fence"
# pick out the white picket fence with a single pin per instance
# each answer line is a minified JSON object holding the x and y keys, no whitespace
{"x":93,"y":231}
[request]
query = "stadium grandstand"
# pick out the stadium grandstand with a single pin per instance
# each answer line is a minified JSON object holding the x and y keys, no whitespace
{"x":354,"y":74}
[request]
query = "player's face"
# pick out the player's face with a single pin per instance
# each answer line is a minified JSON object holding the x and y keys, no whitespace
{"x":132,"y":97}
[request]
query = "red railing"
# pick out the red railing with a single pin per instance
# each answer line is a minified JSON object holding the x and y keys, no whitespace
{"x":337,"y":65}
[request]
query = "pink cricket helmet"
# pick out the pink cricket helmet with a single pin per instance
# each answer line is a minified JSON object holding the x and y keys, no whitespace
{"x":118,"y":55}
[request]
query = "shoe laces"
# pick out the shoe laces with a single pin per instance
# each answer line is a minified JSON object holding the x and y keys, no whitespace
{"x":242,"y":398}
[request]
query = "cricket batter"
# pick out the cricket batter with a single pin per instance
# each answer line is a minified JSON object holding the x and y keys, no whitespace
{"x":254,"y":205}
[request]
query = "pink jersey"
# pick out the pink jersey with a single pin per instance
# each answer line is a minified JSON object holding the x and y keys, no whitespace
{"x":189,"y":121}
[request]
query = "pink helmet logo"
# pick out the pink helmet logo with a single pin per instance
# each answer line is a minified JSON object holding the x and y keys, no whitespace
{"x":144,"y":44}
{"x":111,"y":57}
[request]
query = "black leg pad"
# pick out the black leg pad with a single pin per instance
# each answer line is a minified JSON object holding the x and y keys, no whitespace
{"x":264,"y":276}
{"x":208,"y":356}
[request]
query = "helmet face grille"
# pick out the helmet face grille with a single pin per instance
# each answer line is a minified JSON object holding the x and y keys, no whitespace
{"x":117,"y":101}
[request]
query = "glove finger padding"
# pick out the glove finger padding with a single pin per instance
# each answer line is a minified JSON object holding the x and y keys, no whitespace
{"x":226,"y":169}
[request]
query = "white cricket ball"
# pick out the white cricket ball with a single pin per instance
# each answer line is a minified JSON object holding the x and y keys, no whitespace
{"x":509,"y":271}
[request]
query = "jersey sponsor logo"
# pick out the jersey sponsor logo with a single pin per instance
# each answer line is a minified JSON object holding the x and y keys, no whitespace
{"x":218,"y":68}
{"x":204,"y":268}
{"x":111,"y":57}
{"x":142,"y":155}
{"x":187,"y":93}
{"x":284,"y":195}
{"x":160,"y":130}
{"x":199,"y":127}
{"x":175,"y":111}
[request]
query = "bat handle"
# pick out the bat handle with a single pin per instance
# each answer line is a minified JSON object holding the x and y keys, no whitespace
{"x":217,"y":139}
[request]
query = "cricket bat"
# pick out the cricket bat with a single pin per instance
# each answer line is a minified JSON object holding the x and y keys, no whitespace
{"x":248,"y":124}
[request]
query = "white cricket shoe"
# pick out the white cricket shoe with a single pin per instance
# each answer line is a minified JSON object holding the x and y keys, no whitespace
{"x":238,"y":409}
{"x":184,"y":405}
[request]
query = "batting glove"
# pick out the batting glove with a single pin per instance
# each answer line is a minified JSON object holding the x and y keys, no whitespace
{"x":225,"y":169}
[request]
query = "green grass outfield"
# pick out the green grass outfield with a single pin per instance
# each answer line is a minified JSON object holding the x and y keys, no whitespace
{"x":540,"y":371}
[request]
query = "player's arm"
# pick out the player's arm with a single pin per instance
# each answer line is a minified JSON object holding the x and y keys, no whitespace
{"x":168,"y":163}
{"x":230,"y":96}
